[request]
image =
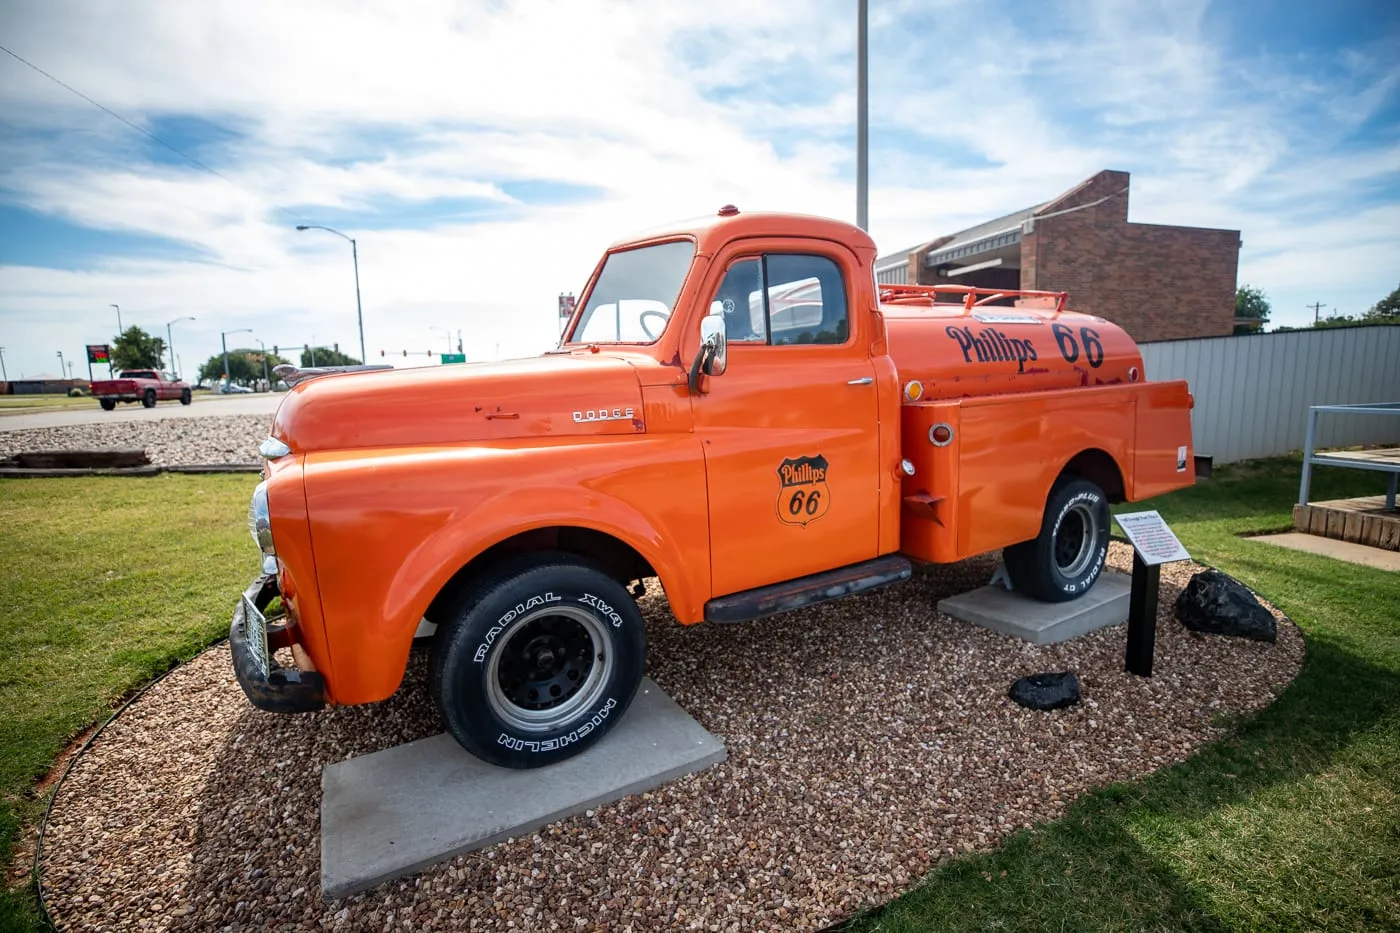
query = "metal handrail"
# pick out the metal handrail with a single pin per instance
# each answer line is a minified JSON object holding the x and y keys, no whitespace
{"x":971,"y":296}
{"x":1309,"y":458}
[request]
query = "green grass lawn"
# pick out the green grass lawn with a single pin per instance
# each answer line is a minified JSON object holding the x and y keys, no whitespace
{"x":23,"y":404}
{"x":1292,"y":823}
{"x":104,"y":583}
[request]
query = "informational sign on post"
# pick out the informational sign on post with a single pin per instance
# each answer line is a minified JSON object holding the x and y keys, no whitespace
{"x":1154,"y":544}
{"x":1151,"y":538}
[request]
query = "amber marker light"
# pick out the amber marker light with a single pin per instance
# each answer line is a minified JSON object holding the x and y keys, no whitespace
{"x":913,"y":390}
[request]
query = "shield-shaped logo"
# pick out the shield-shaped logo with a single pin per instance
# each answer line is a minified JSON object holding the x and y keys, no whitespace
{"x":803,"y":496}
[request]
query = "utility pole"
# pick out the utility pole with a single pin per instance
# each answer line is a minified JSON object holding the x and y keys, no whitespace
{"x":3,"y":375}
{"x":60,"y":364}
{"x":1316,"y":306}
{"x":862,"y":123}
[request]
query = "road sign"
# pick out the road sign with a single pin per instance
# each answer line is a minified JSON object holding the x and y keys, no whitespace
{"x":454,"y":357}
{"x":99,"y":353}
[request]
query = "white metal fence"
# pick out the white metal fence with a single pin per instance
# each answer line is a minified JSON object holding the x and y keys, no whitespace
{"x":1253,"y":392}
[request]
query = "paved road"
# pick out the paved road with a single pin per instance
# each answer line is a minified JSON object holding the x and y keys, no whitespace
{"x":257,"y":404}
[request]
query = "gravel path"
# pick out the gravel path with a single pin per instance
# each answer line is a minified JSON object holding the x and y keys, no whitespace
{"x":168,"y":442}
{"x":868,"y":740}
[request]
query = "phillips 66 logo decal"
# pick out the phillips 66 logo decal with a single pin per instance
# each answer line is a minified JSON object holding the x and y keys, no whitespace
{"x":802,"y":493}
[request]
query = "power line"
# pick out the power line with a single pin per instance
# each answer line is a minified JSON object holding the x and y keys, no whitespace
{"x":143,"y":132}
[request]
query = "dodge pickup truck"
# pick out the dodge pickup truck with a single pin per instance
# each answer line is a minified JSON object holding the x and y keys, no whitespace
{"x":736,"y":410}
{"x":146,"y":386}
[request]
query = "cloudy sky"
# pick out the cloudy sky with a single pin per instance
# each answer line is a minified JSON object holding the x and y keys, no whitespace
{"x":483,"y":154}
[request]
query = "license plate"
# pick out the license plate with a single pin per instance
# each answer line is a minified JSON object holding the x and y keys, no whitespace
{"x":255,"y":630}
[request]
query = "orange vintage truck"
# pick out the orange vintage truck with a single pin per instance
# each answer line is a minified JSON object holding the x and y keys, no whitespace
{"x":733,"y":409}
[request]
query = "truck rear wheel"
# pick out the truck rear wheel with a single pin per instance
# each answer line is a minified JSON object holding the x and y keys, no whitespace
{"x":148,"y":399}
{"x":1064,"y":560}
{"x":538,"y":661}
{"x":185,"y":397}
{"x":107,"y":403}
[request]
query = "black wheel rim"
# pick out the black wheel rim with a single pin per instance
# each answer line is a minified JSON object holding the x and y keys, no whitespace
{"x":551,"y":666}
{"x":1074,"y":541}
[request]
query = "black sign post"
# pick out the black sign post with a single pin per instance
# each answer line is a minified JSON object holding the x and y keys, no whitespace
{"x":1153,"y":545}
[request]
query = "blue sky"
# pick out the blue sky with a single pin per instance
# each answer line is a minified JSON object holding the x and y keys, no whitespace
{"x":484,"y":154}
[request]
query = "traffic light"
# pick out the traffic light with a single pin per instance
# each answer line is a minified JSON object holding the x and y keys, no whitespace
{"x":337,"y":348}
{"x":274,"y":350}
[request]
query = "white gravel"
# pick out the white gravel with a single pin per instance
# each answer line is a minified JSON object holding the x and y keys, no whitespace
{"x":868,"y":739}
{"x":168,"y":441}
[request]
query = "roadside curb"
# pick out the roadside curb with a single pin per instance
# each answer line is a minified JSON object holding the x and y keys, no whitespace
{"x":148,"y":470}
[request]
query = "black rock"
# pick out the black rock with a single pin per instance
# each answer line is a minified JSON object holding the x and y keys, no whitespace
{"x":1046,"y":691}
{"x":1220,"y":605}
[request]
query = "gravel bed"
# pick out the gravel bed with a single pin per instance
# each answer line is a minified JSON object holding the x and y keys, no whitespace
{"x":868,"y":740}
{"x":167,"y":441}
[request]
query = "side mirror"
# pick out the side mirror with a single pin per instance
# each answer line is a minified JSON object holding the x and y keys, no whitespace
{"x":712,"y":336}
{"x":711,"y":357}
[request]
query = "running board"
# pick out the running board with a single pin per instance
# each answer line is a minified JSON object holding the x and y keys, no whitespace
{"x":808,"y":591}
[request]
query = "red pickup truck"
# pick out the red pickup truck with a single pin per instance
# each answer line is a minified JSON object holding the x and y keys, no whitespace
{"x":146,"y":386}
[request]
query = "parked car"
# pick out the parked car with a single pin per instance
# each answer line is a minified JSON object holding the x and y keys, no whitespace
{"x":735,"y":408}
{"x":146,"y":386}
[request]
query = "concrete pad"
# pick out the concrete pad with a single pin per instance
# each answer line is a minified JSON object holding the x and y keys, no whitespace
{"x":1331,"y":547}
{"x":397,"y":811}
{"x":1016,"y":614}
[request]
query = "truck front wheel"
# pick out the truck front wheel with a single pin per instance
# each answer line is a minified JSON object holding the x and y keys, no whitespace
{"x":149,"y":398}
{"x":1064,"y":560}
{"x":185,"y":397}
{"x":107,"y":403}
{"x":538,"y":661}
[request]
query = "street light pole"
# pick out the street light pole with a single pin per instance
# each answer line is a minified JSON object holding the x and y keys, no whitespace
{"x":355,"y":257}
{"x":119,"y":318}
{"x":266,"y":375}
{"x":60,"y":364}
{"x":170,"y":341}
{"x":3,"y":375}
{"x":862,"y":123}
{"x":223,"y":341}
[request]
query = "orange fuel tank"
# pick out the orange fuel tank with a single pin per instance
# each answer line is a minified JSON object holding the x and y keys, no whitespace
{"x":954,"y":343}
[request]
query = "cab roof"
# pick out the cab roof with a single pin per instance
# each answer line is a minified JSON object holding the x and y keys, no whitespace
{"x":728,"y":223}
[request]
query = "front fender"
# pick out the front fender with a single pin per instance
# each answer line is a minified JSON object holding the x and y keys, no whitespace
{"x":391,"y":530}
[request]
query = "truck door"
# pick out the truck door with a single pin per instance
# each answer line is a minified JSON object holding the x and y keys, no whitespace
{"x":790,"y":430}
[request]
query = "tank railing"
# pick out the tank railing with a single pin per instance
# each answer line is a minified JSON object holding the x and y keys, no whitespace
{"x":1384,"y":461}
{"x":970,"y":296}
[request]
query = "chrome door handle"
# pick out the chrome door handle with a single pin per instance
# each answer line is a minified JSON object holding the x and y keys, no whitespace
{"x":862,"y":381}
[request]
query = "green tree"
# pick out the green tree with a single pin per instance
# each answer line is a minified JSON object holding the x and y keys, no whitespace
{"x":245,"y":366}
{"x":1385,"y":311}
{"x":133,"y":348}
{"x":327,"y":356}
{"x":1337,"y":320}
{"x":1250,"y":303}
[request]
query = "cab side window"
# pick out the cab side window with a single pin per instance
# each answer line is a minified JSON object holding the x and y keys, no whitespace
{"x":783,"y":299}
{"x":806,"y":299}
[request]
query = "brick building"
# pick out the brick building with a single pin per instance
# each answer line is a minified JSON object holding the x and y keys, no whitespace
{"x":1156,"y":282}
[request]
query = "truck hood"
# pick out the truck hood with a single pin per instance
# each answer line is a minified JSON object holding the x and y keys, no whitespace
{"x":577,"y":394}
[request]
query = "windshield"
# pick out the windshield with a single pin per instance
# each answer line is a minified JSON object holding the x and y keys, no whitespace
{"x":635,"y":294}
